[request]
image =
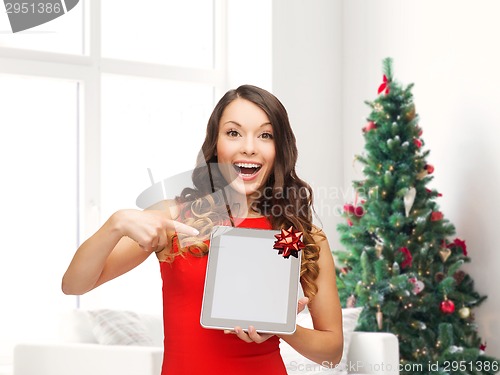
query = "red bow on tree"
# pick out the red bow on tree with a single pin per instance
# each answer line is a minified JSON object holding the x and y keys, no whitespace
{"x":384,"y":86}
{"x":407,"y":257}
{"x":459,"y":243}
{"x":289,"y":243}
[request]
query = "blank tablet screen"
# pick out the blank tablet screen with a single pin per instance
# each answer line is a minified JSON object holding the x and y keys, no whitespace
{"x":249,"y":283}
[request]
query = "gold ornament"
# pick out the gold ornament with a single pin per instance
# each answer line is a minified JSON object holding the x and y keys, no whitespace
{"x":464,"y":312}
{"x":351,"y":301}
{"x":410,"y":115}
{"x":422,"y":174}
{"x":378,"y":249}
{"x":444,"y":253}
{"x":380,"y":318}
{"x":378,"y":107}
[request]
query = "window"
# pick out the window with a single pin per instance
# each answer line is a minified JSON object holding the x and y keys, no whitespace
{"x":66,"y":34}
{"x":38,"y":139}
{"x":146,"y":123}
{"x":90,"y":101}
{"x":176,"y":33}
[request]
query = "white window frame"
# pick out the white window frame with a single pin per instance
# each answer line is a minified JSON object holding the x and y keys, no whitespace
{"x":88,"y":71}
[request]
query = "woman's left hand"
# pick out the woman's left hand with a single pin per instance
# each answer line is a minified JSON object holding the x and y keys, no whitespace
{"x":253,"y":336}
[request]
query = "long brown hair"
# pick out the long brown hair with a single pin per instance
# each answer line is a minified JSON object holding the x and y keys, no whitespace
{"x":285,"y":200}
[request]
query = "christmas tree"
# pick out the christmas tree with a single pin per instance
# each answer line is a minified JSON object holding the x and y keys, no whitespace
{"x":401,"y":261}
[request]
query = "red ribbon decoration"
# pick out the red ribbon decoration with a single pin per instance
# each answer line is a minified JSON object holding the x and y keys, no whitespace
{"x":288,"y":242}
{"x":407,"y":257}
{"x":459,"y":243}
{"x":384,"y":86}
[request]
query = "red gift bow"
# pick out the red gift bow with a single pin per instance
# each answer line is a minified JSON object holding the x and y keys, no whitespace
{"x":384,"y":86}
{"x":289,"y":243}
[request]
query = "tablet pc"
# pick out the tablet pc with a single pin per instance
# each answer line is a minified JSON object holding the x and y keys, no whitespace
{"x":249,"y":283}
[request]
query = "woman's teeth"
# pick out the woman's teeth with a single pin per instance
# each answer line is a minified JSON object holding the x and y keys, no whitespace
{"x":247,"y":169}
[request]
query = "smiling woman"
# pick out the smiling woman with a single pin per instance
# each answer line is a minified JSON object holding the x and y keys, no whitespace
{"x":240,"y":138}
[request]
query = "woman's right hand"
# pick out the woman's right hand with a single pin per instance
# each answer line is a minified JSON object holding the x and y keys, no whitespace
{"x":115,"y":248}
{"x":149,"y":228}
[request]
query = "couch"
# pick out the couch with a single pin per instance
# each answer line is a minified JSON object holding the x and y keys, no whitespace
{"x":108,"y":342}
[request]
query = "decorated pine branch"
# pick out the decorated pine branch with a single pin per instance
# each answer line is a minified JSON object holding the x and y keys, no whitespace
{"x":401,"y":261}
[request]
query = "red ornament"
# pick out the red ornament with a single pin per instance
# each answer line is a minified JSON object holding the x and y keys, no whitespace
{"x":447,"y":306}
{"x":417,"y":142}
{"x":436,"y":216}
{"x":349,"y":209}
{"x":408,"y":258}
{"x":384,"y":86}
{"x":370,"y":126}
{"x":359,"y":211}
{"x":288,"y":242}
{"x":429,"y":168}
{"x":459,"y":243}
{"x":482,"y":347}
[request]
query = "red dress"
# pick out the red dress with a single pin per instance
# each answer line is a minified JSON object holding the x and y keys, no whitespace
{"x":192,"y":349}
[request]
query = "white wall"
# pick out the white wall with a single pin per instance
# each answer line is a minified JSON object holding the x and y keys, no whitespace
{"x":447,"y":48}
{"x":307,"y":79}
{"x":249,"y":47}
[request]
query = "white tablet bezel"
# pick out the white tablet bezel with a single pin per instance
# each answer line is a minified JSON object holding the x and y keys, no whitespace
{"x":293,"y":283}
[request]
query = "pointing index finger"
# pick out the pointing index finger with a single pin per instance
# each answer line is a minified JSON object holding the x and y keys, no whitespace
{"x":186,"y":229}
